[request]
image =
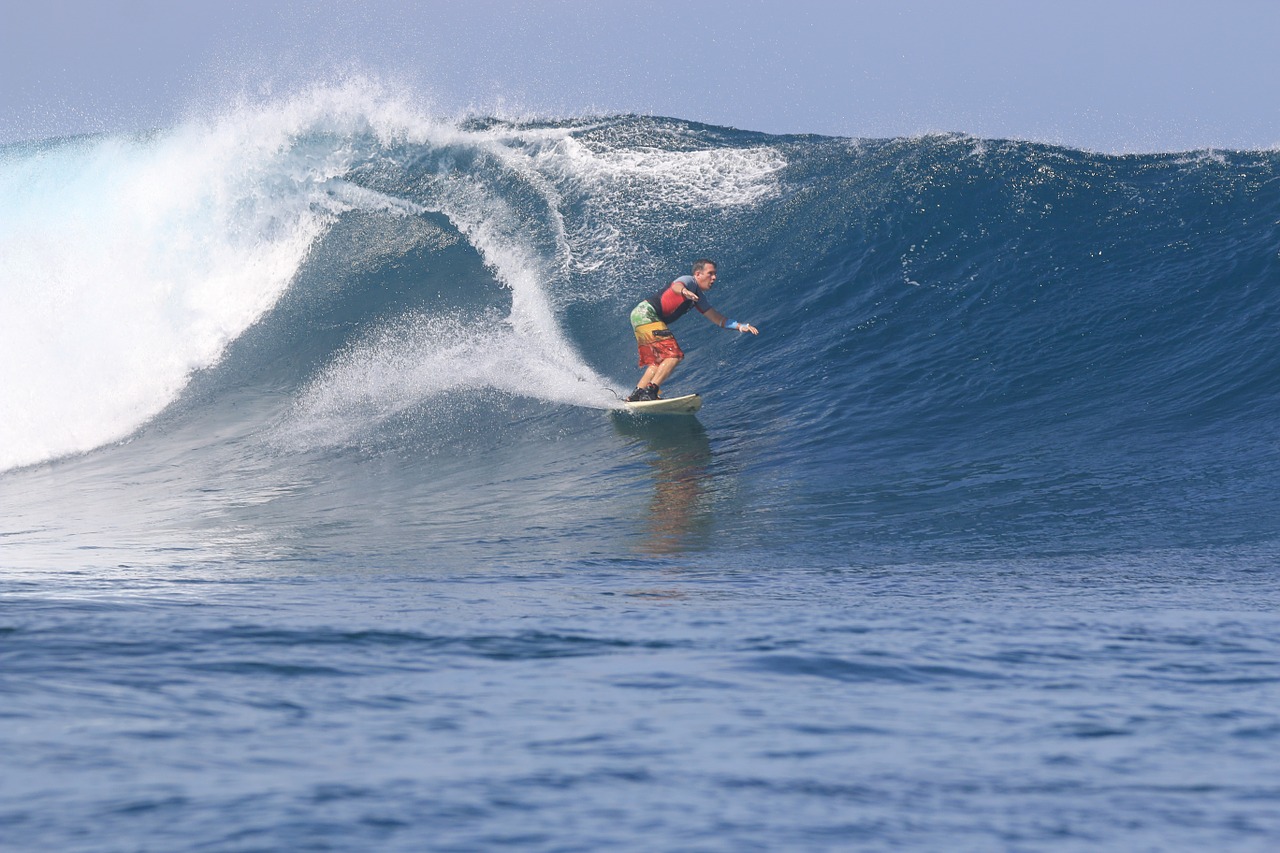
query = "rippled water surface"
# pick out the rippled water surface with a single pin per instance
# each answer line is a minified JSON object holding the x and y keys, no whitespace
{"x":646,"y":705}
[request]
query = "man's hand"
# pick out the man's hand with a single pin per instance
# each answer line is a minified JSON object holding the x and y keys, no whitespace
{"x":747,"y":327}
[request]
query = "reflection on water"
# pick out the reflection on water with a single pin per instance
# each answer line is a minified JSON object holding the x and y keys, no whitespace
{"x":679,"y":453}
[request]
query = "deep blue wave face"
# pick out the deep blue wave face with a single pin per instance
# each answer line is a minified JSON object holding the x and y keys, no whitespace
{"x":1020,"y":346}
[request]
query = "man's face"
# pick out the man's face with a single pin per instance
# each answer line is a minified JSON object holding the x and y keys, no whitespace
{"x":705,"y":277}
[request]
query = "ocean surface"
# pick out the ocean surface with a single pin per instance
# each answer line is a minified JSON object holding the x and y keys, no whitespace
{"x":321,"y":528}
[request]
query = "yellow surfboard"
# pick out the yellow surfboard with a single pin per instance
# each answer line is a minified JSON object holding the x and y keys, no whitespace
{"x":686,"y":405}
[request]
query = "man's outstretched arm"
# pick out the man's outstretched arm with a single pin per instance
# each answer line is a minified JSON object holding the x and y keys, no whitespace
{"x":723,"y":322}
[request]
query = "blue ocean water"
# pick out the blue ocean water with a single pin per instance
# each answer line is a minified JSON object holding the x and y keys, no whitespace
{"x":320,"y":528}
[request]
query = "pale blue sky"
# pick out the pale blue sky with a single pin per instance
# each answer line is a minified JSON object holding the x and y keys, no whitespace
{"x":1110,"y":75}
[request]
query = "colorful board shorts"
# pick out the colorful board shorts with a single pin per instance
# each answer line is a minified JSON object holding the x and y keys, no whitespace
{"x":653,"y":338}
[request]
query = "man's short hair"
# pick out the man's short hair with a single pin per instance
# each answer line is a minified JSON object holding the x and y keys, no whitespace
{"x":700,"y":263}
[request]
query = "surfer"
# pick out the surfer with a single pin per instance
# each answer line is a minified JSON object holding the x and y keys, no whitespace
{"x":659,"y":352}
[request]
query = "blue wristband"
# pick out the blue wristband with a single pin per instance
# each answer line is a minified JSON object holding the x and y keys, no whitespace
{"x":732,"y":324}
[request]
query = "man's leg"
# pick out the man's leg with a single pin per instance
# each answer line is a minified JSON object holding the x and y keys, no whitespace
{"x":654,"y":375}
{"x":662,"y":370}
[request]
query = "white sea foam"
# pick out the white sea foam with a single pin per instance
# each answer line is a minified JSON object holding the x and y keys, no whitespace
{"x":415,"y":361}
{"x":127,"y":263}
{"x":626,"y":184}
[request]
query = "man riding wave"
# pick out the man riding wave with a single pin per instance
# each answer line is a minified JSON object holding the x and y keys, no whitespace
{"x":659,"y":352}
